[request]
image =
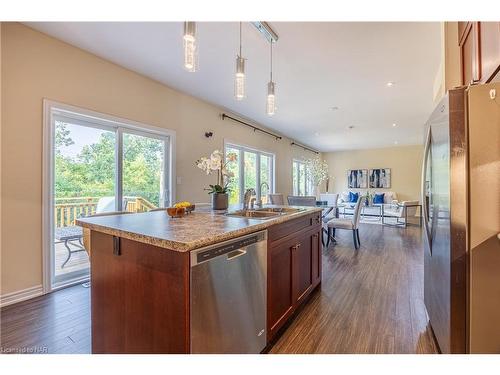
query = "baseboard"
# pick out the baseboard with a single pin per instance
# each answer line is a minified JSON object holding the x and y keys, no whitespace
{"x":20,"y":295}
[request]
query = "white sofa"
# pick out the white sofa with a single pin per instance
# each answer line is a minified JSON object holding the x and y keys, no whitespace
{"x":392,"y":207}
{"x":390,"y":198}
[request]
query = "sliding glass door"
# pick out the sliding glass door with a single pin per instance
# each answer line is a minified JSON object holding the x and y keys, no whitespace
{"x":99,"y":167}
{"x":84,"y":177}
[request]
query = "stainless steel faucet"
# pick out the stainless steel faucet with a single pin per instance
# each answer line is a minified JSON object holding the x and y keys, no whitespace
{"x":259,"y":203}
{"x":247,"y":197}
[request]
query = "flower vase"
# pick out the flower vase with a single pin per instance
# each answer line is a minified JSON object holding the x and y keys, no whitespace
{"x":220,"y":201}
{"x":318,"y":192}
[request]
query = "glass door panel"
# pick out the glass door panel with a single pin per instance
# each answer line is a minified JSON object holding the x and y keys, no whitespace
{"x":250,"y":160}
{"x":233,"y":167}
{"x":84,"y":184}
{"x":143,"y":173}
{"x":265,"y":177}
{"x":302,"y":179}
{"x":295,"y":177}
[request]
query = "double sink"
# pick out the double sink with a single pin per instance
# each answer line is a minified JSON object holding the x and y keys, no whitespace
{"x":264,"y":213}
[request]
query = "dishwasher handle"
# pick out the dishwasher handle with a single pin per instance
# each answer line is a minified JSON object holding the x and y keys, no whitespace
{"x":235,"y":254}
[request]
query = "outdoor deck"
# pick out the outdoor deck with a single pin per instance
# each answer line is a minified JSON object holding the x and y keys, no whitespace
{"x":78,"y":261}
{"x":66,"y":211}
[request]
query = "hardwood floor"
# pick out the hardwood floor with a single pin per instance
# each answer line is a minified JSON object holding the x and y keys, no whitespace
{"x":58,"y":322}
{"x":370,"y":301}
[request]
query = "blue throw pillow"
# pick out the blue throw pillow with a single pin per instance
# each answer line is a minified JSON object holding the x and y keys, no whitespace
{"x":353,"y":197}
{"x":378,"y":198}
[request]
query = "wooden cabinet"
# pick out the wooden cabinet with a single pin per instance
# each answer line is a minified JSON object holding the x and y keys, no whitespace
{"x":479,"y":44}
{"x":139,"y":297}
{"x":294,"y":270}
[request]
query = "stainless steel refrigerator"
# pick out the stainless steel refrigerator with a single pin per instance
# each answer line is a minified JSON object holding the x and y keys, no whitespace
{"x":461,"y":209}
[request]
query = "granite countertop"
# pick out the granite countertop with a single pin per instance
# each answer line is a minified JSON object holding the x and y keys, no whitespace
{"x":200,"y":228}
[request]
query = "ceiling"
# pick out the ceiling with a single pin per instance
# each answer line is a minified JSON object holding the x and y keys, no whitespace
{"x":317,"y":66}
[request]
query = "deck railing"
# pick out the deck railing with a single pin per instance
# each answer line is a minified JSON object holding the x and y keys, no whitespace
{"x":67,"y":210}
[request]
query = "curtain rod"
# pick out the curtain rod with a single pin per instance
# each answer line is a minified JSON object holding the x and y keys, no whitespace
{"x":224,"y":116}
{"x":305,"y":148}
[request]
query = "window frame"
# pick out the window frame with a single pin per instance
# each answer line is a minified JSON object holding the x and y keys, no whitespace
{"x":241,"y":174}
{"x":53,"y":111}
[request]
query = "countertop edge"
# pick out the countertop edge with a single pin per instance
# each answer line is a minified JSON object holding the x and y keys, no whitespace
{"x":188,"y":246}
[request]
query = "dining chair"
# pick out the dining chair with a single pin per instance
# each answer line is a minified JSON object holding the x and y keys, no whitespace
{"x":299,"y":200}
{"x":350,"y":224}
{"x":276,"y":199}
{"x":330,"y":198}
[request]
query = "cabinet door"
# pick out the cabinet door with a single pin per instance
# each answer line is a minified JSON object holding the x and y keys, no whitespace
{"x":489,"y":43}
{"x":280,"y":298}
{"x":317,"y":248}
{"x":303,"y":267}
{"x":469,"y":53}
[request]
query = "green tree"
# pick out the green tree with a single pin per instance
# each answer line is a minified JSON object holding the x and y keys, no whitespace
{"x":92,"y":171}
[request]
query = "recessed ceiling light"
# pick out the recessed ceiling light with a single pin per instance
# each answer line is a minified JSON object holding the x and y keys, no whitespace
{"x":334,"y":108}
{"x":390,"y":84}
{"x":393,"y":125}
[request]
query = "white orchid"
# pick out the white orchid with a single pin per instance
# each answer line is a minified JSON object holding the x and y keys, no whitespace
{"x":216,"y":163}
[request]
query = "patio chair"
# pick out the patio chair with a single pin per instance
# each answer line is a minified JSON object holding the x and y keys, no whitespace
{"x":74,"y":233}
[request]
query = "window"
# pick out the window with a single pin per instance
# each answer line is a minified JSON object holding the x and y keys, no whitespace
{"x":302,"y":184}
{"x":95,"y":165}
{"x":251,"y":169}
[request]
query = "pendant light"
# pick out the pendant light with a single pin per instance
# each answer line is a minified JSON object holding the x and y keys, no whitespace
{"x":190,"y":50}
{"x":271,"y":100}
{"x":239,"y":78}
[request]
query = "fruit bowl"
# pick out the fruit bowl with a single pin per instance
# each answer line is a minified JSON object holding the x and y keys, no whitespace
{"x":186,"y":205}
{"x":176,"y":211}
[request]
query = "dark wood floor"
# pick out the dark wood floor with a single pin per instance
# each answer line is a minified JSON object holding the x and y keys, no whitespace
{"x":371,"y":301}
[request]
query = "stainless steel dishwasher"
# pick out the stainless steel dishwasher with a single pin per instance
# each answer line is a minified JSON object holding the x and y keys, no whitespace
{"x":228,"y":296}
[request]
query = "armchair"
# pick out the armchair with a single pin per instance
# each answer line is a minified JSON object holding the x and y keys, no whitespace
{"x":401,"y":210}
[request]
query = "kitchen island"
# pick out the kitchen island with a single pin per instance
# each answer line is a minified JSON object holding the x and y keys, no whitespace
{"x":141,"y":269}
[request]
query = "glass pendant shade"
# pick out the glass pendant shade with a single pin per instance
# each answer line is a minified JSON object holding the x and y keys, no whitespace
{"x":239,"y":79}
{"x":271,"y":99}
{"x":190,"y":50}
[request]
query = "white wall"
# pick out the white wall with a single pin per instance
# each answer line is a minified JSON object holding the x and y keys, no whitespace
{"x":405,"y":163}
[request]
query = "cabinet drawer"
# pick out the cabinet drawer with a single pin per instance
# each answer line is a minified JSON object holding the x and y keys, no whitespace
{"x":287,"y":228}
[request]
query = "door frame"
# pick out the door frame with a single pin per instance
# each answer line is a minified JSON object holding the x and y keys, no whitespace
{"x":106,"y":120}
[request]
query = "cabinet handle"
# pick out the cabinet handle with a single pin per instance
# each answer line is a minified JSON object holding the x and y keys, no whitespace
{"x":296,"y":246}
{"x":116,"y":246}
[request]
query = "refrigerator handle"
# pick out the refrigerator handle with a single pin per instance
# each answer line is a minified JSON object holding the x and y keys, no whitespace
{"x":424,"y":212}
